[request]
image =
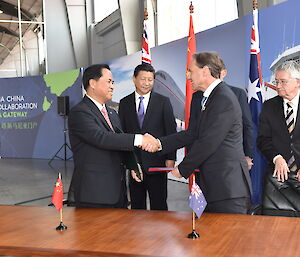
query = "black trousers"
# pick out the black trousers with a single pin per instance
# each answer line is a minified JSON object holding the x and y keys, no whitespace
{"x":155,"y":185}
{"x":236,"y":205}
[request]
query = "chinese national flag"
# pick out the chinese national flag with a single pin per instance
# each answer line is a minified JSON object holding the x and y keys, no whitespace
{"x":189,"y":91}
{"x":57,"y":196}
{"x":191,"y":49}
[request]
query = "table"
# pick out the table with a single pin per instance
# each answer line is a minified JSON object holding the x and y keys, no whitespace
{"x":30,"y":231}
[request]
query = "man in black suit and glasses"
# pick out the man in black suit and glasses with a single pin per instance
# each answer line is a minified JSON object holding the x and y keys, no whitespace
{"x":279,"y":141}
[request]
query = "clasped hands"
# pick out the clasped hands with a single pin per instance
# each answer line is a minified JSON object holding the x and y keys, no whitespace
{"x":150,"y":143}
{"x":281,"y":170}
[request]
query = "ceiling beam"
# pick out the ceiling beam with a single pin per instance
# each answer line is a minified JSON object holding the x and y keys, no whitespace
{"x":12,"y":10}
{"x":8,"y":31}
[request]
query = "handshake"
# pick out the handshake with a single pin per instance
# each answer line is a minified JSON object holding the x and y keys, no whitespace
{"x":150,"y":143}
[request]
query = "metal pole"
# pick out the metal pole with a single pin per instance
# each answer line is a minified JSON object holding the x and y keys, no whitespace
{"x":44,"y":38}
{"x":154,"y":6}
{"x":20,"y":37}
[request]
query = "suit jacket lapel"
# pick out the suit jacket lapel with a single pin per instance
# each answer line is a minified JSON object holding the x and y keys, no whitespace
{"x":150,"y":109}
{"x":98,"y":115}
{"x":279,"y":110}
{"x":114,"y":119}
{"x":297,"y":120}
{"x":132,"y":112}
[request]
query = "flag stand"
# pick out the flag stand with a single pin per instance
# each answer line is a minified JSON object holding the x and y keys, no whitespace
{"x":61,"y":225}
{"x":193,"y":234}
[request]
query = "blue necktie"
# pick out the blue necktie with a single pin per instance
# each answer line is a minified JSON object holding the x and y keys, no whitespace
{"x":140,"y":112}
{"x":203,"y":101}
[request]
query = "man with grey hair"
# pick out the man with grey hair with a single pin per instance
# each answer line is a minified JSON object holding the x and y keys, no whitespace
{"x":279,"y":131}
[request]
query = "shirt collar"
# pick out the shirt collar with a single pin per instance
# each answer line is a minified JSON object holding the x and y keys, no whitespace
{"x":146,"y":96}
{"x":100,"y":106}
{"x":294,"y":101}
{"x":211,"y":87}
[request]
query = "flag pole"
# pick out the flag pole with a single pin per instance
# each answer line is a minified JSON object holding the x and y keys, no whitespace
{"x":193,"y":234}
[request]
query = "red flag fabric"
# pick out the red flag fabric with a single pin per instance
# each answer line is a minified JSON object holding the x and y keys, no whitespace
{"x":191,"y":49}
{"x":57,"y":196}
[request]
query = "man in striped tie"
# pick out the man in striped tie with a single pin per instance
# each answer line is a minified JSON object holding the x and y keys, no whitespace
{"x":279,"y":131}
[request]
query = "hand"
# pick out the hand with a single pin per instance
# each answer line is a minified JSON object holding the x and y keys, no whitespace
{"x":298,"y":175}
{"x":170,"y":163}
{"x":134,"y":176}
{"x":281,"y":169}
{"x":175,"y":172}
{"x":150,"y":143}
{"x":249,"y":162}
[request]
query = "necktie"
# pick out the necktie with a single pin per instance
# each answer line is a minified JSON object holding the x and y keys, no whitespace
{"x":290,"y":122}
{"x":105,"y":115}
{"x":203,"y":101}
{"x":140,"y":112}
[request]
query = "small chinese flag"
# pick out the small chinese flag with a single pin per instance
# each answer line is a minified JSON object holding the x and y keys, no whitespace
{"x":58,"y":192}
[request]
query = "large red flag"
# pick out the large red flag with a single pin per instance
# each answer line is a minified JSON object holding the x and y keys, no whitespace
{"x":191,"y":49}
{"x":58,"y":192}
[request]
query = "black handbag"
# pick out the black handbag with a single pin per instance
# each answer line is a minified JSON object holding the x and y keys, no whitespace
{"x":281,"y":198}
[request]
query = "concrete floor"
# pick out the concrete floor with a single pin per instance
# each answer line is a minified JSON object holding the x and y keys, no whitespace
{"x":31,"y":182}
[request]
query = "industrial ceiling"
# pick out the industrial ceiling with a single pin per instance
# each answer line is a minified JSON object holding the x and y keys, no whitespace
{"x":9,"y":31}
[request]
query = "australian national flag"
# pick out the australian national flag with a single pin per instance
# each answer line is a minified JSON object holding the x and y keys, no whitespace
{"x":255,"y":100}
{"x":197,"y":200}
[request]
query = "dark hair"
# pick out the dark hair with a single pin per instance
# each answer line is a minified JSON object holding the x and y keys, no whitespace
{"x":93,"y":72}
{"x":210,"y":59}
{"x":143,"y":67}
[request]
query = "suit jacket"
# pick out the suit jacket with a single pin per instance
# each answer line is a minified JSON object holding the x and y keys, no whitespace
{"x":273,"y":136}
{"x":216,"y":147}
{"x":97,"y":154}
{"x":158,"y":121}
{"x":248,"y":136}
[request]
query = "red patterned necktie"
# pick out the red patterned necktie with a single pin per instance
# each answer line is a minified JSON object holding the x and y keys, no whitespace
{"x":105,"y":115}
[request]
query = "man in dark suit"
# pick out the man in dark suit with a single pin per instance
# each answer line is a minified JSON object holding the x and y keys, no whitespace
{"x":156,"y":119}
{"x":279,"y":129}
{"x":215,"y":139}
{"x":98,"y":145}
{"x":248,"y":137}
{"x":279,"y":141}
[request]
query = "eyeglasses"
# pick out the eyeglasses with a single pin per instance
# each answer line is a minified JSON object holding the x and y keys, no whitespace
{"x":283,"y":82}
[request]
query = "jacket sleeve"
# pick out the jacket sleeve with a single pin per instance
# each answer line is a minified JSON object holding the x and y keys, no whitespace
{"x":264,"y":138}
{"x":169,"y":125}
{"x":248,"y":136}
{"x":217,"y":124}
{"x":84,"y":126}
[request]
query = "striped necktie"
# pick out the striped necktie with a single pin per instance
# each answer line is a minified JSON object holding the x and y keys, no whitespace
{"x":203,"y":101}
{"x":290,"y":122}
